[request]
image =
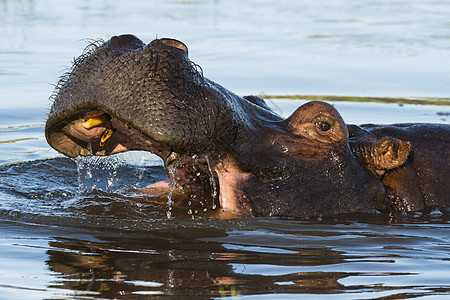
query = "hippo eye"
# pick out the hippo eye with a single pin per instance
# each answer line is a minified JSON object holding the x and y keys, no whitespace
{"x":323,"y":126}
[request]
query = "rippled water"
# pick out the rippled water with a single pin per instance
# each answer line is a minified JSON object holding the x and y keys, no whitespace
{"x":81,"y":229}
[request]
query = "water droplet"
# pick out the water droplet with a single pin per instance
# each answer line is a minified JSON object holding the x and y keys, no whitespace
{"x":89,"y":148}
{"x":212,"y":181}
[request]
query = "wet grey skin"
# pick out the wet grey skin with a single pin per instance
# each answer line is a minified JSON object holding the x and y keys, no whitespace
{"x":235,"y":153}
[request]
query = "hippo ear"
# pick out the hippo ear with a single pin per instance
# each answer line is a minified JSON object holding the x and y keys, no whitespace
{"x":318,"y":121}
{"x":379,"y":156}
{"x":175,"y":43}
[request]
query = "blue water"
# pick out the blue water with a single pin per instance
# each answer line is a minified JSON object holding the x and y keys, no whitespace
{"x":79,"y":228}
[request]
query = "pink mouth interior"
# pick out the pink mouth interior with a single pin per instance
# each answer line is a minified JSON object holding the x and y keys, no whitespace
{"x":183,"y":175}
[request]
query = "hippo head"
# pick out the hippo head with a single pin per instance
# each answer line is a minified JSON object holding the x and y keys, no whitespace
{"x":234,"y":152}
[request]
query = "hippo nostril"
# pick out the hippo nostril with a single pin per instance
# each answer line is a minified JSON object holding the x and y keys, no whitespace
{"x":175,"y":43}
{"x":115,"y":41}
{"x":128,"y":40}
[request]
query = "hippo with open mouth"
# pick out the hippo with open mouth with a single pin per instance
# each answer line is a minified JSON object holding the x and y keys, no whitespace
{"x":236,"y":153}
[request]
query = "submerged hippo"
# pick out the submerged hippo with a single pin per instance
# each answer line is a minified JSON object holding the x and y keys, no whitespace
{"x":236,"y":152}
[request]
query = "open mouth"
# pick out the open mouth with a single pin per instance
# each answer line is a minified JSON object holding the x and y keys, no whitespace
{"x":190,"y":177}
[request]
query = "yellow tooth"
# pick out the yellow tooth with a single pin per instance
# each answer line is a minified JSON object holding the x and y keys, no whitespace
{"x":172,"y":158}
{"x":106,"y":135}
{"x":94,"y":121}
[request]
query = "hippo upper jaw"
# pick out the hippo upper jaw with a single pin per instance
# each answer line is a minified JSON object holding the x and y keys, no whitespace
{"x":153,"y":88}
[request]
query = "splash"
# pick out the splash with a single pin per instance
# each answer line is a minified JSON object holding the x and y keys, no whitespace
{"x":212,"y":181}
{"x":97,"y":173}
{"x":108,"y":173}
{"x":172,"y":170}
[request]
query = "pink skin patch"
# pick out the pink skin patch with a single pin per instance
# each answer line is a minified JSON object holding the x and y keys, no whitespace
{"x":232,"y":197}
{"x":163,"y":189}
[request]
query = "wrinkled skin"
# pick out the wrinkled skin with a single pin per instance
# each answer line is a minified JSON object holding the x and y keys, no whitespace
{"x":417,"y":178}
{"x":235,"y":153}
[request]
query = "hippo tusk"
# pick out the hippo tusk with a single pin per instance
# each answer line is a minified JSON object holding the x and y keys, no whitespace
{"x":172,"y":158}
{"x":92,"y":122}
{"x":106,"y":135}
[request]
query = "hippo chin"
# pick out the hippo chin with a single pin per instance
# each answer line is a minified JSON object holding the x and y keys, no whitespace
{"x":235,"y":153}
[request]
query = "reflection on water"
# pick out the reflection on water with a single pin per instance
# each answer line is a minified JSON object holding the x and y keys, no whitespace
{"x":253,"y":256}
